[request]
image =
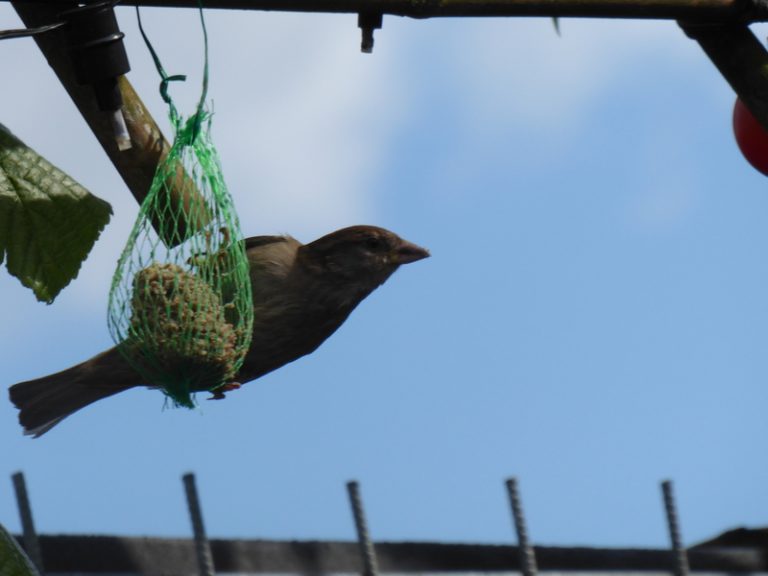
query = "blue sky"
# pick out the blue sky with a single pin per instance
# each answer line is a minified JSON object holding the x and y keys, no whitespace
{"x":594,"y":318}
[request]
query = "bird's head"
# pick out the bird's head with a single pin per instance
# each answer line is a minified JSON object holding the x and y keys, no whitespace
{"x":361,"y":257}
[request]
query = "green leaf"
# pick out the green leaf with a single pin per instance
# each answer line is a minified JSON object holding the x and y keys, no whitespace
{"x":13,"y":560}
{"x":48,"y":222}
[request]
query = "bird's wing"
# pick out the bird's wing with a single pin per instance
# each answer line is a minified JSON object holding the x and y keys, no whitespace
{"x":271,"y":259}
{"x":258,"y":241}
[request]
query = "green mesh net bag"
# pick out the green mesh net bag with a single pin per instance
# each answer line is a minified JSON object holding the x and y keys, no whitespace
{"x":180,"y":305}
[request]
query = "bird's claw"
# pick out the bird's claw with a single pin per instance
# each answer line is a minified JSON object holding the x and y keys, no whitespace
{"x":219,"y":393}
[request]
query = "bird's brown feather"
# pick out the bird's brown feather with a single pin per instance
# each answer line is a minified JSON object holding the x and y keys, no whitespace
{"x":301,"y":295}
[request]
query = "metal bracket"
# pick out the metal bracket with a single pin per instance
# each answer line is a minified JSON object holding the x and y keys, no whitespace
{"x":368,"y":22}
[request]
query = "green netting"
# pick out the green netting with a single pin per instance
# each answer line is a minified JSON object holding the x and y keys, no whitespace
{"x":180,"y":305}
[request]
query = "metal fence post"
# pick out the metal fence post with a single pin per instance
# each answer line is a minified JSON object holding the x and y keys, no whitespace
{"x":370,"y":565}
{"x":31,"y":542}
{"x":681,"y":556}
{"x":527,"y":555}
{"x":202,"y":546}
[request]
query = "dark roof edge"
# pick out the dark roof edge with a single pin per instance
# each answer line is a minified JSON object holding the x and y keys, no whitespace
{"x":168,"y":556}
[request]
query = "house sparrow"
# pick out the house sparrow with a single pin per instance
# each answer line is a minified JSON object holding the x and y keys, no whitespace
{"x":301,"y":294}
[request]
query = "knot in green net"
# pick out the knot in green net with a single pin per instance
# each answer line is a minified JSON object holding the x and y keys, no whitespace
{"x":180,"y":306}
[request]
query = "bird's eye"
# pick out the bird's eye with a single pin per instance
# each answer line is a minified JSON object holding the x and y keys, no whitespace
{"x":374,"y":243}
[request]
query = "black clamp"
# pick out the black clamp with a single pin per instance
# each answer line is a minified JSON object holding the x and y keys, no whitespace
{"x":98,"y":56}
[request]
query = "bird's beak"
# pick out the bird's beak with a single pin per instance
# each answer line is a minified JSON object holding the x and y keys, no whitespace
{"x":407,"y":252}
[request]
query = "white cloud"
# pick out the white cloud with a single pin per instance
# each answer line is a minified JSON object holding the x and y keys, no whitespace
{"x":302,"y":122}
{"x":666,"y":202}
{"x":518,"y":74}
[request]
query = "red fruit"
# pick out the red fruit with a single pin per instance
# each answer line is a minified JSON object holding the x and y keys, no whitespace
{"x":751,"y":137}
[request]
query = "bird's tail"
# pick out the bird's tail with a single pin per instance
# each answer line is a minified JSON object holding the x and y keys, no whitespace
{"x":45,"y":402}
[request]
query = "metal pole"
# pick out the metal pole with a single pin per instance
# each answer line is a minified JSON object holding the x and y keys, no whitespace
{"x":720,"y":27}
{"x":370,"y":566}
{"x":202,"y":546}
{"x":740,"y":57}
{"x":527,"y":555}
{"x":681,"y":556}
{"x":695,"y":10}
{"x":31,"y":542}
